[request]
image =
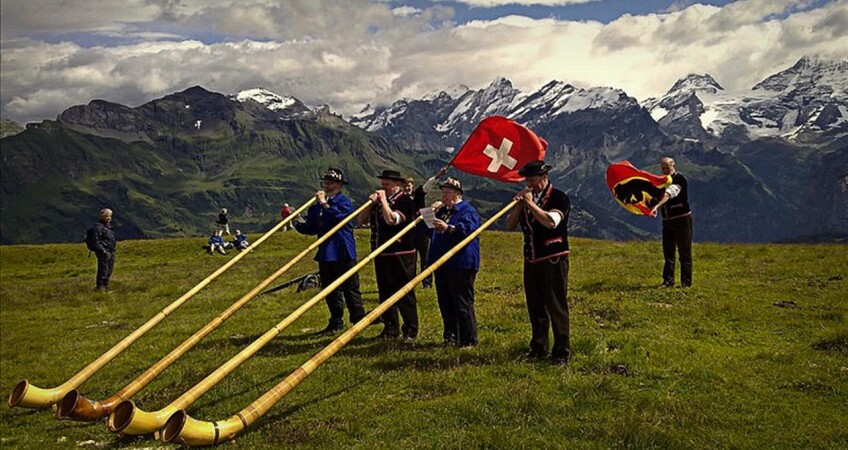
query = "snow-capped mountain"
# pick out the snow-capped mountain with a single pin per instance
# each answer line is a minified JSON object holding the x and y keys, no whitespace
{"x":451,"y":116}
{"x":747,"y":155}
{"x":283,"y":105}
{"x":805,"y":103}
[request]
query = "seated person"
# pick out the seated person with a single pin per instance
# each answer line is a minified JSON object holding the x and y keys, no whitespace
{"x":240,"y":241}
{"x":216,"y":243}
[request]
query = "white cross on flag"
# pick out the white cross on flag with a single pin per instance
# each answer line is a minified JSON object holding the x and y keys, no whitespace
{"x":497,"y":148}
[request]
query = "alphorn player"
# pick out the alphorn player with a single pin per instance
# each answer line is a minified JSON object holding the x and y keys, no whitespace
{"x":336,"y":255}
{"x":542,"y":212}
{"x":390,"y":211}
{"x":455,"y":220}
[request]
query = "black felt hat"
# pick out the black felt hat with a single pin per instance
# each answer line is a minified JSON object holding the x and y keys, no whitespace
{"x":534,"y":168}
{"x":333,"y":174}
{"x":391,"y":175}
{"x":452,"y":183}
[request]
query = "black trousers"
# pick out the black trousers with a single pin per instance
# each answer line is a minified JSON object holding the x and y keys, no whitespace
{"x":546,"y":290}
{"x":349,"y":290}
{"x":422,"y":246}
{"x":105,"y":264}
{"x":677,"y":235}
{"x":455,"y":292}
{"x":393,"y":272}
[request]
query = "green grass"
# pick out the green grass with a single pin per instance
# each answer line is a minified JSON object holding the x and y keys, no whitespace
{"x":754,"y":356}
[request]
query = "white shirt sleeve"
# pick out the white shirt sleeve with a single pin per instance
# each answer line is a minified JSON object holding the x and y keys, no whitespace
{"x":672,"y":190}
{"x":396,"y":216}
{"x":429,"y":184}
{"x":556,"y":216}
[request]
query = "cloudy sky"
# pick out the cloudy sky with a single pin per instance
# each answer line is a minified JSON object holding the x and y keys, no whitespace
{"x":60,"y":53}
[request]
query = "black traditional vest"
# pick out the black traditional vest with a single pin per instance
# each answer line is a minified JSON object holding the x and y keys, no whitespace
{"x":542,"y":243}
{"x":382,"y":231}
{"x":678,"y":206}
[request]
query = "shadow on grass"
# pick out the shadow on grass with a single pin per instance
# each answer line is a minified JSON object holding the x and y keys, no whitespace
{"x":273,"y":419}
{"x":600,"y":286}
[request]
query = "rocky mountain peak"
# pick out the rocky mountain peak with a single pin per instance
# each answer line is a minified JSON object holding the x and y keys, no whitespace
{"x":695,"y":83}
{"x":809,"y":71}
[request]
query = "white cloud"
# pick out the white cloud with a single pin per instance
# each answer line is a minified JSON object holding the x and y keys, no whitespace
{"x":406,"y":11}
{"x":494,"y":3}
{"x":348,"y":54}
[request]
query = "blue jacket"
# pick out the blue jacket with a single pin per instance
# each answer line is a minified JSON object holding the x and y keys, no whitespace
{"x":465,"y":219}
{"x":319,"y":220}
{"x":215,"y":239}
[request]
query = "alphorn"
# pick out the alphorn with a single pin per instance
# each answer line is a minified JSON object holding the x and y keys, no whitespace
{"x":75,"y":406}
{"x":28,"y":395}
{"x":129,"y":419}
{"x":185,"y":430}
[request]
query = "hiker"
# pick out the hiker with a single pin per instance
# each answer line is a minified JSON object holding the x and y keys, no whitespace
{"x":455,"y":220}
{"x":676,"y":225}
{"x":105,"y":247}
{"x":336,"y":255}
{"x":240,"y":242}
{"x":390,"y":211}
{"x":222,"y":223}
{"x":216,"y":243}
{"x":285,"y":212}
{"x":542,"y":211}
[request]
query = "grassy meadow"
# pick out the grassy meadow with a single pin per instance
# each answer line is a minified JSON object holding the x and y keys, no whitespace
{"x":755,"y":355}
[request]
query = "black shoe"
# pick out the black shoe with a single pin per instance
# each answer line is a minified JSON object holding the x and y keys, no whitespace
{"x":535,"y":355}
{"x":427,"y":283}
{"x":386,"y":336}
{"x":559,"y":361}
{"x":330,"y":330}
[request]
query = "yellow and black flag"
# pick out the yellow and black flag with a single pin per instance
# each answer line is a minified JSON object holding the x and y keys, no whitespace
{"x":636,"y":190}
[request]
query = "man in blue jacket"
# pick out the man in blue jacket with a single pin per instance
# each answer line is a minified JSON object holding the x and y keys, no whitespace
{"x":336,"y":255}
{"x":455,"y":220}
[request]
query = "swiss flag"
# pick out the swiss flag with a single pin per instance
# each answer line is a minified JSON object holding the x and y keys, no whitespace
{"x":497,"y":148}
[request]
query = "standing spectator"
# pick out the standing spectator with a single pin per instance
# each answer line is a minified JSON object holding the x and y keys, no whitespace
{"x":676,"y":225}
{"x":336,"y":255}
{"x":105,"y":247}
{"x":391,"y":210}
{"x":240,"y":242}
{"x":216,"y":243}
{"x":285,"y":212}
{"x":421,"y":234}
{"x":455,"y":220}
{"x":542,"y":211}
{"x":223,"y":221}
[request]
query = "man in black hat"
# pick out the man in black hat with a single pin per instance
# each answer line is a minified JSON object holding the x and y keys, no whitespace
{"x":337,"y":254}
{"x":392,"y":209}
{"x":542,"y":212}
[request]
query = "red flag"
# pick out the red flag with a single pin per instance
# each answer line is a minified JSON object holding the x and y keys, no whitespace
{"x":497,"y":148}
{"x":636,"y":190}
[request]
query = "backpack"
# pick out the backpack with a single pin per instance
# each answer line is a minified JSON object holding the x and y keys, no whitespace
{"x":91,"y":239}
{"x":310,"y":281}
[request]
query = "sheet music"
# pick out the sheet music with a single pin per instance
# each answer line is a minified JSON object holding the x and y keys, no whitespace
{"x":429,"y":217}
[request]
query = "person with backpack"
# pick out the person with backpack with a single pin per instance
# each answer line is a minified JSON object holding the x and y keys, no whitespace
{"x":223,"y":221}
{"x":100,"y":239}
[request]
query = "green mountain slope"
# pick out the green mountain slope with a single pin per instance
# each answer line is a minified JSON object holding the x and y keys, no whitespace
{"x":165,"y":176}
